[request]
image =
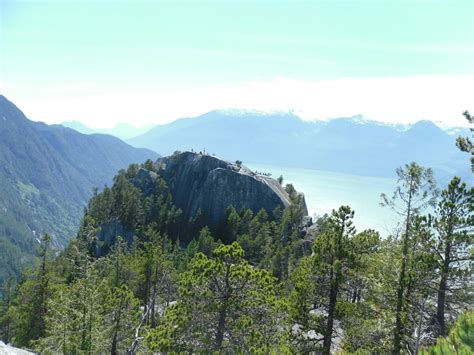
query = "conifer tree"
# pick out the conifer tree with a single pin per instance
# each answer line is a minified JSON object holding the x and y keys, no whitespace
{"x":454,"y":223}
{"x":332,"y":256}
{"x":7,"y":293}
{"x":224,"y":305}
{"x":121,"y":314}
{"x":415,"y":191}
{"x":464,"y":143}
{"x":30,"y":304}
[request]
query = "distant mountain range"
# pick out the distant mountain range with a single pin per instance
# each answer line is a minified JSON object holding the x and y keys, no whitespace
{"x":121,"y":130}
{"x":48,"y":172}
{"x":47,"y":175}
{"x":350,"y":145}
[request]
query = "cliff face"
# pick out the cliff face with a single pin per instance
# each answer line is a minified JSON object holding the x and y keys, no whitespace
{"x":207,"y":185}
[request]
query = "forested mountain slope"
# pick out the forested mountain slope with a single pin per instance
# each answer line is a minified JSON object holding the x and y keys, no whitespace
{"x":47,"y":174}
{"x":181,"y":194}
{"x":263,"y":283}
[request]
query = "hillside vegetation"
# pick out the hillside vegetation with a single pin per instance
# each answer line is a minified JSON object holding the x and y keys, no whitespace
{"x":261,"y":283}
{"x":47,"y":175}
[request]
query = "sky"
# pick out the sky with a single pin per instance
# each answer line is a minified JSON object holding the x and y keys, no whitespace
{"x":142,"y":62}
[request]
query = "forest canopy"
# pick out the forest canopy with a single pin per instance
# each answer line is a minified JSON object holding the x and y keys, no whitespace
{"x":262,"y":283}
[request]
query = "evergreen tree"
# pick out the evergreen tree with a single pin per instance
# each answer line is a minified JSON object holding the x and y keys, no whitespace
{"x":122,"y":312}
{"x":453,"y":224}
{"x":232,"y":226}
{"x":301,"y":301}
{"x":75,"y":317}
{"x":30,"y":304}
{"x":366,"y":305}
{"x":6,"y":301}
{"x":333,"y":256}
{"x":224,"y":305}
{"x":464,"y":143}
{"x":460,"y":340}
{"x":420,"y":273}
{"x":205,"y":243}
{"x":265,"y":293}
{"x":416,"y":190}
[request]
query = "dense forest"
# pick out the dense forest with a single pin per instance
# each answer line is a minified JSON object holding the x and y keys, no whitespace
{"x":263,"y":283}
{"x":47,"y":173}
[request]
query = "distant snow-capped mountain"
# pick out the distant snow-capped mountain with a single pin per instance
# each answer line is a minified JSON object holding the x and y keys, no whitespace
{"x":354,"y":145}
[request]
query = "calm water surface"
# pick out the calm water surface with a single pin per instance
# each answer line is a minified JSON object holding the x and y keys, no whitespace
{"x":325,"y":191}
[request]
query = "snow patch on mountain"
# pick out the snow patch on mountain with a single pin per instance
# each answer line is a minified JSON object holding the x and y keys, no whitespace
{"x":248,"y":112}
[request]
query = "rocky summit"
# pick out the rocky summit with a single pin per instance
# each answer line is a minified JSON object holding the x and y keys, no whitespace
{"x":205,"y":186}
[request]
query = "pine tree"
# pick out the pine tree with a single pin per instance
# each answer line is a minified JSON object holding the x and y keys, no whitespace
{"x":416,"y":190}
{"x":365,"y":306}
{"x":301,"y":301}
{"x":29,"y":306}
{"x":224,"y":305}
{"x":232,"y":225}
{"x":460,"y":340}
{"x":121,"y":314}
{"x":454,"y":222}
{"x":464,"y":143}
{"x":6,"y":301}
{"x":332,"y":256}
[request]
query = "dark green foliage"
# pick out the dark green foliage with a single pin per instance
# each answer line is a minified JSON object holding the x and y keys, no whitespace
{"x":460,"y":340}
{"x":47,"y":174}
{"x":124,"y":209}
{"x":204,"y":244}
{"x":464,"y":143}
{"x":454,"y":220}
{"x":416,"y":191}
{"x":334,"y":255}
{"x":6,"y":317}
{"x":262,"y":284}
{"x":224,"y":304}
{"x":26,"y":315}
{"x":232,"y":225}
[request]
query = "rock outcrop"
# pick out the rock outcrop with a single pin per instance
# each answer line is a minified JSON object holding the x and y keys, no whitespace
{"x":205,"y":185}
{"x":6,"y":349}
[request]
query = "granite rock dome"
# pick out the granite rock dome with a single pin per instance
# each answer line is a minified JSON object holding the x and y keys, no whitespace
{"x":205,"y":185}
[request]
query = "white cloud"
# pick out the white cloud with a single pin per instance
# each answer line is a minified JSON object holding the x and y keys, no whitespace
{"x":396,"y":100}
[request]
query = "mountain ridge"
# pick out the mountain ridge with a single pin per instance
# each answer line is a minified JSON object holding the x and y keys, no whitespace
{"x":121,"y":130}
{"x":351,"y":145}
{"x":47,"y":175}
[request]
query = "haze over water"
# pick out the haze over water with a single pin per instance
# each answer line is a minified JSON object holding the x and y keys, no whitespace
{"x":326,"y":190}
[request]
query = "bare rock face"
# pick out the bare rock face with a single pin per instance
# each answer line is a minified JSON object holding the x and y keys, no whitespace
{"x":205,"y":185}
{"x":6,"y":349}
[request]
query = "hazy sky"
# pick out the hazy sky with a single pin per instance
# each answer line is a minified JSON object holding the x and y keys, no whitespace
{"x":102,"y":62}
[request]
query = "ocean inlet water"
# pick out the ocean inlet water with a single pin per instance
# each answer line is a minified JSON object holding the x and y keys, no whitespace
{"x":326,"y":190}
